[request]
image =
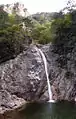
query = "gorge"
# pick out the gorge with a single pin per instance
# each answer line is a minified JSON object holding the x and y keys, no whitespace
{"x":25,"y":78}
{"x":37,"y":63}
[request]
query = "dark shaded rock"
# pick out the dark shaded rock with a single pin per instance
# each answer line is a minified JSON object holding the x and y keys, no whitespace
{"x":63,"y":77}
{"x":24,"y":77}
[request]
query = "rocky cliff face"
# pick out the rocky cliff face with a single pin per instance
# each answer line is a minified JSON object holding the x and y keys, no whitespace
{"x":17,"y":8}
{"x":62,"y":79}
{"x":23,"y":78}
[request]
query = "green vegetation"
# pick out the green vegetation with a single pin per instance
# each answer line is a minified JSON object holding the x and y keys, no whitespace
{"x":58,"y":28}
{"x":41,"y":33}
{"x":12,"y":34}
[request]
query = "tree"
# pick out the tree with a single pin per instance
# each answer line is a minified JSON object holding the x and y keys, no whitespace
{"x":71,"y":5}
{"x":41,"y":33}
{"x":3,"y":18}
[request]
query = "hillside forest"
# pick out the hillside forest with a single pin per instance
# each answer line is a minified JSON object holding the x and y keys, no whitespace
{"x":17,"y":31}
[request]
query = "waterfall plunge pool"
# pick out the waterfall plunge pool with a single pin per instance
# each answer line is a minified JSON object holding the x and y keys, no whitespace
{"x":58,"y":110}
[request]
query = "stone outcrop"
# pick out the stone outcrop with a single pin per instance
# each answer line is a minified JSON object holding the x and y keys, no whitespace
{"x":63,"y":80}
{"x":23,"y":78}
{"x":17,"y":8}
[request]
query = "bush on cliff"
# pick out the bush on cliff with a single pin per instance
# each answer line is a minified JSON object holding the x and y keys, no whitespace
{"x":12,"y":42}
{"x":41,"y":33}
{"x":64,"y":40}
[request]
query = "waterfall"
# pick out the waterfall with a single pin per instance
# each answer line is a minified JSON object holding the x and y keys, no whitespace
{"x":3,"y":73}
{"x":47,"y":76}
{"x":75,"y":99}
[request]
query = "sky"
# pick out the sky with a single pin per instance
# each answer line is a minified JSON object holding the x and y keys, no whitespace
{"x":34,"y":6}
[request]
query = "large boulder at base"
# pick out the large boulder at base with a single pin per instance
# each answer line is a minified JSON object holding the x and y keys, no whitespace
{"x":23,"y":78}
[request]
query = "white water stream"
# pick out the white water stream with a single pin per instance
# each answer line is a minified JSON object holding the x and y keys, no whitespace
{"x":47,"y":76}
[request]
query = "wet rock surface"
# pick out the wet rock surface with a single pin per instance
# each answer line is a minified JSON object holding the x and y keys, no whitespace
{"x":63,"y":80}
{"x":23,"y":78}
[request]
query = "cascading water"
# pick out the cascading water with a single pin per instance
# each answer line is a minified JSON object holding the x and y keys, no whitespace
{"x":3,"y":73}
{"x":48,"y":83}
